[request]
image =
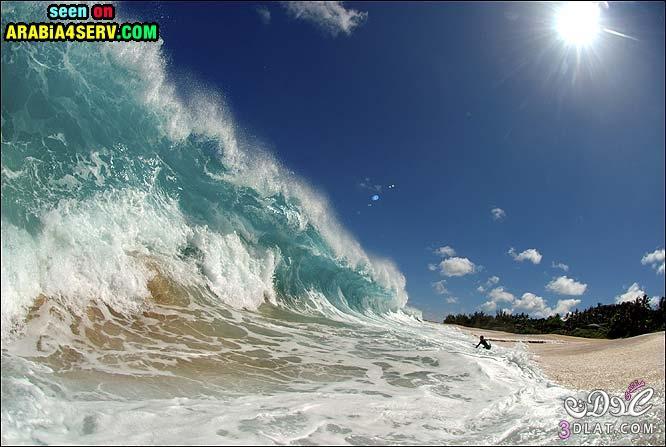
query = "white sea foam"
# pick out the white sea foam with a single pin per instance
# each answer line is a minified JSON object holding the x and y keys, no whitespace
{"x":388,"y":381}
{"x":109,"y":247}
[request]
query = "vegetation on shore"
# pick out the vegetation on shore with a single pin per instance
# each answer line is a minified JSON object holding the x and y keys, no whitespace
{"x":601,"y":321}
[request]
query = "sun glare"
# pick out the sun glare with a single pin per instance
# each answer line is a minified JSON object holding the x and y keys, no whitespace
{"x":577,"y":23}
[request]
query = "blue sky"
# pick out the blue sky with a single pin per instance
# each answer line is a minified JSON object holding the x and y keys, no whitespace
{"x":464,"y":108}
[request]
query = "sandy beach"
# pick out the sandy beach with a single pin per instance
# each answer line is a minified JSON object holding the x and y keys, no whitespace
{"x":585,"y":363}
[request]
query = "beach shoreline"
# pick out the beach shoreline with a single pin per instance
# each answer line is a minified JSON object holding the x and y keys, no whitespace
{"x":588,"y":363}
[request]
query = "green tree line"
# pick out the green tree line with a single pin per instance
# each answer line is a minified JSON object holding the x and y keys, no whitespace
{"x":601,"y":321}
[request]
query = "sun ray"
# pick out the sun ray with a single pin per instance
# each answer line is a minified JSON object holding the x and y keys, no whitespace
{"x":619,"y":34}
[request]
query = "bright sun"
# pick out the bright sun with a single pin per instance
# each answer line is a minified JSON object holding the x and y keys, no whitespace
{"x":577,"y":23}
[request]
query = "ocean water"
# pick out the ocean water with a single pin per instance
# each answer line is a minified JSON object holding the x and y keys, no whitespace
{"x":166,"y":280}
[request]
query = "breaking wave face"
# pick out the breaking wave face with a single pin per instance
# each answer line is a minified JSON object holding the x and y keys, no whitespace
{"x":108,"y":178}
{"x":166,"y":281}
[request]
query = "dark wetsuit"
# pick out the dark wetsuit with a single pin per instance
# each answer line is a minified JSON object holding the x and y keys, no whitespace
{"x":484,"y":343}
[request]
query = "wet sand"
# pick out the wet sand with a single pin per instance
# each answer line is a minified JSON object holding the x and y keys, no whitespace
{"x":585,"y":363}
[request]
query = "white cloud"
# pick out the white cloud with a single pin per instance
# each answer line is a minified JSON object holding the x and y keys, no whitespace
{"x":457,"y":267}
{"x":537,"y":307}
{"x":432,"y":267}
{"x":655,"y":256}
{"x":333,"y":17}
{"x":564,"y":306}
{"x":489,"y":307}
{"x":370,"y":186}
{"x":446,"y":251}
{"x":489,"y":283}
{"x":498,"y":294}
{"x":560,"y":265}
{"x":492,"y":306}
{"x":440,"y":287}
{"x":656,"y":259}
{"x":264,"y":15}
{"x":634,"y":291}
{"x":566,"y":286}
{"x":528,"y":303}
{"x":533,"y":305}
{"x":531,"y":254}
{"x":498,"y":213}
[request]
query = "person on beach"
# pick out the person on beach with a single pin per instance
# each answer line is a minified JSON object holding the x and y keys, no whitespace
{"x":482,"y":341}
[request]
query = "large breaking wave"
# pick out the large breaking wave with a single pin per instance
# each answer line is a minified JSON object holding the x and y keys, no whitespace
{"x":108,"y":176}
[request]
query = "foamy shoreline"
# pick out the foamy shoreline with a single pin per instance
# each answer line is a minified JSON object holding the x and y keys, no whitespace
{"x":586,"y":364}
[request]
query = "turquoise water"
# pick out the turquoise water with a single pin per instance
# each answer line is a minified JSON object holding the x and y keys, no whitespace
{"x":95,"y":130}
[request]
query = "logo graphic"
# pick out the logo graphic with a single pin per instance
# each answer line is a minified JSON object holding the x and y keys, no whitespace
{"x":633,"y":386}
{"x":78,"y":30}
{"x":599,"y":403}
